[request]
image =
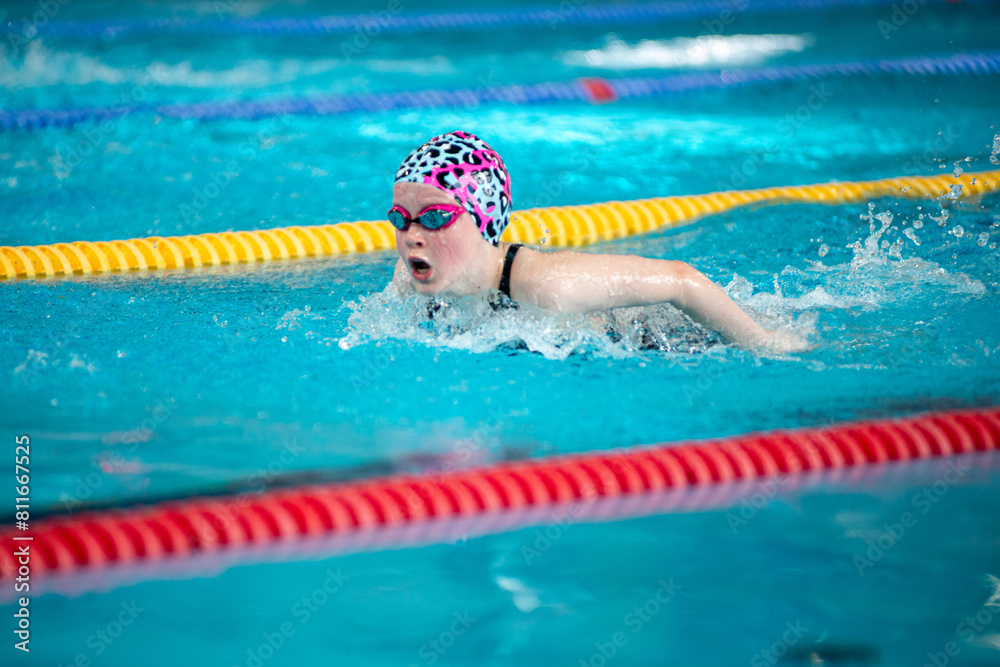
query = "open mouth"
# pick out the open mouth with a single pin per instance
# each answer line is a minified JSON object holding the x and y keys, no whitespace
{"x":421,"y":270}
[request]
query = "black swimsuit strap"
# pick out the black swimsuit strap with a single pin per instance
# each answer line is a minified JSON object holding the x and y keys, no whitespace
{"x":508,"y":261}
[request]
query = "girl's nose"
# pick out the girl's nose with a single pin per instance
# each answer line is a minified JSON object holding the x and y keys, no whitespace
{"x":415,"y":235}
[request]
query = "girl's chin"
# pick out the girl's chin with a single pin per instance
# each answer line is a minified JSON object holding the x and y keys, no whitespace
{"x":436,"y":287}
{"x":427,"y":288}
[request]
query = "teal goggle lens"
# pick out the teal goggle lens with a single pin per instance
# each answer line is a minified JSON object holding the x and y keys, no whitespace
{"x":434,"y":218}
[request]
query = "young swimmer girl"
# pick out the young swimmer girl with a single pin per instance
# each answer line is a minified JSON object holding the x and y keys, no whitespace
{"x":450,"y":204}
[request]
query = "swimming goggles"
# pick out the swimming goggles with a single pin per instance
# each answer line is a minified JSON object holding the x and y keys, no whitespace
{"x":435,"y":216}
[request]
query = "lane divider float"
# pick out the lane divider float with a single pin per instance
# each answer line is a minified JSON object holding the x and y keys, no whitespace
{"x":172,"y":532}
{"x":560,"y":226}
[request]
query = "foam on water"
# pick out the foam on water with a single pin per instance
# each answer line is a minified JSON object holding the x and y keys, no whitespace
{"x":688,"y":53}
{"x":471,"y":323}
{"x":416,"y":66}
{"x":42,"y":66}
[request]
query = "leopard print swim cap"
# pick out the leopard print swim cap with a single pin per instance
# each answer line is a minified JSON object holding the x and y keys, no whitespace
{"x":467,"y":168}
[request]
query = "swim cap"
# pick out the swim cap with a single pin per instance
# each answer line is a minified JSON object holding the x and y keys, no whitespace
{"x":464,"y":166}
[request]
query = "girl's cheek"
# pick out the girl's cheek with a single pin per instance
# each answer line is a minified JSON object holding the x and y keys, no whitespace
{"x":452,"y":256}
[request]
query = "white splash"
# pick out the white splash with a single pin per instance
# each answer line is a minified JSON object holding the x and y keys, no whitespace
{"x":688,"y":53}
{"x":994,"y":584}
{"x":523,"y":596}
{"x":34,"y":360}
{"x":473,"y":324}
{"x":416,"y":66}
{"x":876,"y":275}
{"x":42,"y":66}
{"x":81,"y":361}
{"x":470,"y":323}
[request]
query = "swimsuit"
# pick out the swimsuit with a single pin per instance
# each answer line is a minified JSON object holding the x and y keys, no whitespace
{"x":508,"y":262}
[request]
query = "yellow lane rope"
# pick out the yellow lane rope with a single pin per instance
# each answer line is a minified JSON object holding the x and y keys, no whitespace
{"x":561,"y":226}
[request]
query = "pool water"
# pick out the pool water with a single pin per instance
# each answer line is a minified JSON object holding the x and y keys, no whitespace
{"x":143,"y":386}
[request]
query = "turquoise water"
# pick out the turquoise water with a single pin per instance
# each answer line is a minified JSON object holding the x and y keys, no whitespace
{"x":136,"y":387}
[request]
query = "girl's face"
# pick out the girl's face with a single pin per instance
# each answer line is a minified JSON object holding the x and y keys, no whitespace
{"x":438,"y":260}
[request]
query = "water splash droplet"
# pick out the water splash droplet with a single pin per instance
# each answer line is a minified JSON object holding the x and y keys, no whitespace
{"x":869,"y":251}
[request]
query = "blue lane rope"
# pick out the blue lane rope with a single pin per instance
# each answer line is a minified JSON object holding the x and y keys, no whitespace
{"x":580,"y":90}
{"x":388,"y":22}
{"x":569,"y":12}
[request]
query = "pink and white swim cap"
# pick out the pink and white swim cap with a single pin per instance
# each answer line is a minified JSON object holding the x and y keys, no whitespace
{"x":464,"y":166}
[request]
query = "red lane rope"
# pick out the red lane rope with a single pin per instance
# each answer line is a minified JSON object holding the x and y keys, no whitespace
{"x":204,"y":526}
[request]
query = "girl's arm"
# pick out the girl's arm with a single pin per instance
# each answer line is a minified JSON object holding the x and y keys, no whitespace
{"x":577,"y":282}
